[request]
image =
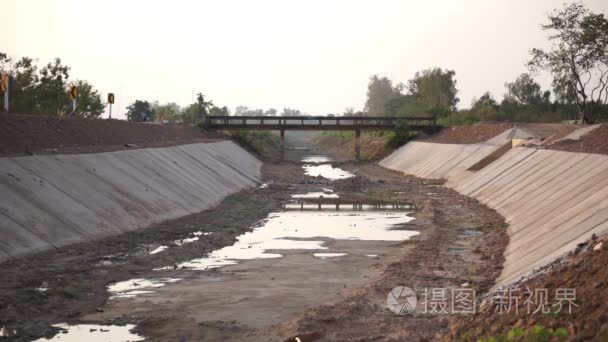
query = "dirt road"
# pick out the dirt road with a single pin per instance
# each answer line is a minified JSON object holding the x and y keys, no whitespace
{"x":326,"y":297}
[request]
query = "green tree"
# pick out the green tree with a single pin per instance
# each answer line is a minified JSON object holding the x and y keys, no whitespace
{"x":202,"y":106}
{"x":25,"y":83}
{"x":168,"y":112}
{"x":435,"y":91}
{"x":525,"y":91}
{"x":139,"y":111}
{"x":51,"y":92}
{"x":578,"y":58}
{"x":219,"y":111}
{"x":380,"y":91}
{"x":90,"y":104}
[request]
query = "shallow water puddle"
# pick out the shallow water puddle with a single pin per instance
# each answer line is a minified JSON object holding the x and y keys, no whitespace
{"x":94,"y":333}
{"x":320,"y":194}
{"x":328,"y":255}
{"x":133,"y":287}
{"x":195,"y":236}
{"x":301,"y":230}
{"x":326,"y":171}
{"x":316,"y":159}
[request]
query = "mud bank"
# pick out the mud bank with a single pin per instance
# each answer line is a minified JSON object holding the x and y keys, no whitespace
{"x":50,"y":201}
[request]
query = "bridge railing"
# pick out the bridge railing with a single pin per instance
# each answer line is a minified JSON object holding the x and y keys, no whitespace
{"x":315,"y":122}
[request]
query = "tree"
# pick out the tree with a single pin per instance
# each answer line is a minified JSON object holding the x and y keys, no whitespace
{"x":525,"y":91}
{"x":380,"y":91}
{"x":25,"y":85}
{"x":51,"y":92}
{"x":139,"y":111}
{"x":167,"y":112}
{"x":219,"y":111}
{"x":435,"y":91}
{"x":291,"y":112}
{"x":271,"y":112}
{"x":578,"y":58}
{"x":90,"y":104}
{"x":202,"y":106}
{"x":486,"y":100}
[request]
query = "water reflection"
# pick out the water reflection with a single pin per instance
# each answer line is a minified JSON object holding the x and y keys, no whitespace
{"x":94,"y":333}
{"x":302,"y":230}
{"x":326,"y":171}
{"x":133,"y":287}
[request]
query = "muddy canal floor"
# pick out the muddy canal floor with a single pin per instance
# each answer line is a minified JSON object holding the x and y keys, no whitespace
{"x":460,"y":241}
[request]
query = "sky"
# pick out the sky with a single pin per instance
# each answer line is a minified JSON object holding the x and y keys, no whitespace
{"x":316,"y":56}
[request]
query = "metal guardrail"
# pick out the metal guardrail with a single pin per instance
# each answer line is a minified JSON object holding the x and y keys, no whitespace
{"x":316,"y":122}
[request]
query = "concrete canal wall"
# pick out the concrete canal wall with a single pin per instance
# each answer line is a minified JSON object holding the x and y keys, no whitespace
{"x":51,"y":201}
{"x":552,"y":200}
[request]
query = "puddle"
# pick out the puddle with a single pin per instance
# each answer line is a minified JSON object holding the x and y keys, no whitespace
{"x":325,"y":194}
{"x":328,"y":255}
{"x":186,"y":240}
{"x":159,"y":249}
{"x":133,"y":287}
{"x":470,"y":233}
{"x":194,"y":237}
{"x":316,"y":159}
{"x":43,"y":287}
{"x":6,"y":332}
{"x":371,"y":255}
{"x":94,"y":333}
{"x":326,"y":171}
{"x":301,"y":230}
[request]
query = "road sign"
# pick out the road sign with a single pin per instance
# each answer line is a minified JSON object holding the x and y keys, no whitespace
{"x":111,"y":98}
{"x":4,"y":81}
{"x":74,"y":92}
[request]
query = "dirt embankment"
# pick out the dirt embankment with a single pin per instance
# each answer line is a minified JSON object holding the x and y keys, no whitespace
{"x":584,"y":270}
{"x":467,"y":134}
{"x":373,"y":147}
{"x":29,"y":134}
{"x":594,"y":142}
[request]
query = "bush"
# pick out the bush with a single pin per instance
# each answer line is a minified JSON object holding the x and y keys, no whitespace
{"x":401,"y":135}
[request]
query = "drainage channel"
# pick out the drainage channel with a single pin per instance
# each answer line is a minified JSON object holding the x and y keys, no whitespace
{"x":300,"y":256}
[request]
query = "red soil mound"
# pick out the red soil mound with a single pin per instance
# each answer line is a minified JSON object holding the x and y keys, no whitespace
{"x":28,"y":134}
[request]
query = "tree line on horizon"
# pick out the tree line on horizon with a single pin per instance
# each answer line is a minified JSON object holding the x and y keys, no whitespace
{"x":577,"y":61}
{"x":45,"y":90}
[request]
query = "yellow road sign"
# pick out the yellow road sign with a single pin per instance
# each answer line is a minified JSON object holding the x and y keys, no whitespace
{"x":74,"y":92}
{"x":111,"y":98}
{"x":4,"y":83}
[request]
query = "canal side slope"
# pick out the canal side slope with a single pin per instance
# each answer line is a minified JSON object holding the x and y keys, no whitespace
{"x":50,"y":201}
{"x":552,"y":200}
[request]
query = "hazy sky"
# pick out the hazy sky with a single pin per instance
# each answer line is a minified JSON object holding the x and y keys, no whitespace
{"x":316,"y":56}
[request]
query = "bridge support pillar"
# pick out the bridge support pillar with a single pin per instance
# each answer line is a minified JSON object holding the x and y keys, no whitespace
{"x":282,"y":144}
{"x":357,"y":144}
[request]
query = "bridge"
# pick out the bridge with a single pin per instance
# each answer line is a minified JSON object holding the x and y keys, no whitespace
{"x":320,"y":123}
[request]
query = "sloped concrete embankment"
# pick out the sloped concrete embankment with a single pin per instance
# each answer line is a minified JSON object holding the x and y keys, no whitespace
{"x":52,"y":201}
{"x":552,"y":200}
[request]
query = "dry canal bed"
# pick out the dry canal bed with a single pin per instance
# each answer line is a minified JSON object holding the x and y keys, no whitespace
{"x":314,"y":250}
